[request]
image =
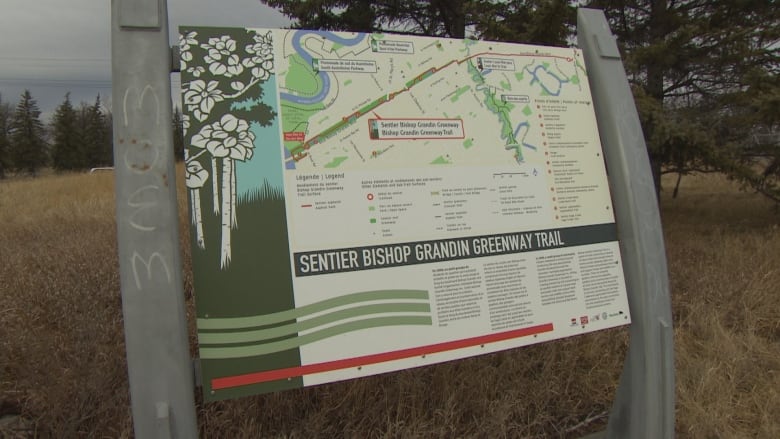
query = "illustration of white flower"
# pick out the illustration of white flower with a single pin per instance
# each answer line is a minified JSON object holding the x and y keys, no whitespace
{"x":222,"y":59}
{"x":200,"y":98}
{"x":185,"y":124}
{"x":185,"y":43}
{"x":261,"y":59}
{"x":195,"y":175}
{"x":229,"y":137}
{"x":195,"y":71}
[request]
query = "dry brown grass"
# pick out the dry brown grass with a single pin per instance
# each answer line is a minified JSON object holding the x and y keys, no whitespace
{"x":62,"y":354}
{"x":60,"y":322}
{"x":724,"y":249}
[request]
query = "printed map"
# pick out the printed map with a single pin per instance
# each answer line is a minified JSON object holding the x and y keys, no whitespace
{"x":380,"y":101}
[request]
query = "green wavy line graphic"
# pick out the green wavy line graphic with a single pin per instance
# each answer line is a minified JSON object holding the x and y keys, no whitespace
{"x":205,"y":324}
{"x":210,"y":338}
{"x":291,"y":343}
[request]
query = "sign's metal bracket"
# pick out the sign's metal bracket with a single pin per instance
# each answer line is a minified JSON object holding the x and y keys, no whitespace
{"x":141,"y":14}
{"x":162,"y":393}
{"x":644,"y":404}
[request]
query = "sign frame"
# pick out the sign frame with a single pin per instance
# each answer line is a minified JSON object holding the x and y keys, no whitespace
{"x":509,"y":241}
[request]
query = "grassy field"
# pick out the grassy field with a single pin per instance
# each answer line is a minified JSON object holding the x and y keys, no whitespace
{"x":62,"y":369}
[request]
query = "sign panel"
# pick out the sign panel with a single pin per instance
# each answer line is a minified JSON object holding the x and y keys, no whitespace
{"x":363,"y":203}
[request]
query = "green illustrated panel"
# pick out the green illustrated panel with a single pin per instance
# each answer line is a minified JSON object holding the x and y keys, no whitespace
{"x":236,"y":196}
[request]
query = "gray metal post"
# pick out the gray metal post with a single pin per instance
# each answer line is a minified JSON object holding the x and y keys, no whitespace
{"x":644,"y":404}
{"x":158,"y":357}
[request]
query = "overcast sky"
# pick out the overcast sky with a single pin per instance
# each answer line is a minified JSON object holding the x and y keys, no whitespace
{"x":54,"y":46}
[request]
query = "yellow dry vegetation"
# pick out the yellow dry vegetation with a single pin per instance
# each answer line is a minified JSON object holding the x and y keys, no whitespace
{"x":62,"y":369}
{"x":724,"y":253}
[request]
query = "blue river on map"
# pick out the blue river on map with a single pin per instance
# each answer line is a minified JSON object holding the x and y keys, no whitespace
{"x":536,"y":79}
{"x":296,"y":42}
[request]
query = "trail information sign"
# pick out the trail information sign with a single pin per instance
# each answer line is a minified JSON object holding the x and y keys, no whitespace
{"x":363,"y":203}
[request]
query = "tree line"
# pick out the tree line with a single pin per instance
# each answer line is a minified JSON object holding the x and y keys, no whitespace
{"x":78,"y":137}
{"x":705,"y":73}
{"x":705,"y":76}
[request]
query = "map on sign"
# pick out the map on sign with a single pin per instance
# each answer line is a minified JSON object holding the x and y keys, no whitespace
{"x":434,"y":101}
{"x":364,"y":203}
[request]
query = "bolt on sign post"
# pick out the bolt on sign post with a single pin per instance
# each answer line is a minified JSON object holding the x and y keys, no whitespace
{"x":158,"y":357}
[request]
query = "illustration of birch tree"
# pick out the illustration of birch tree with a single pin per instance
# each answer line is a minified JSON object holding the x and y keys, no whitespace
{"x":222,"y":102}
{"x":195,"y":177}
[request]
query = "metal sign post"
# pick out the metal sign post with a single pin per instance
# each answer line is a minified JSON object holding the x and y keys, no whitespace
{"x":158,"y":357}
{"x":644,"y":404}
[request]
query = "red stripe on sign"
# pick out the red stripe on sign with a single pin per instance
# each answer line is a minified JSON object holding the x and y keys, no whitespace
{"x":280,"y":374}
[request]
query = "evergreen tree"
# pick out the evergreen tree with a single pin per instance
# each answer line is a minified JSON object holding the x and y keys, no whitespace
{"x":702,"y":71}
{"x":178,"y":134}
{"x":28,"y":146}
{"x":5,"y":144}
{"x":66,"y":153}
{"x":94,"y":133}
{"x":435,"y":17}
{"x":108,"y":139}
{"x":343,"y":15}
{"x":82,"y":130}
{"x":446,"y":18}
{"x":529,"y":21}
{"x":548,"y":22}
